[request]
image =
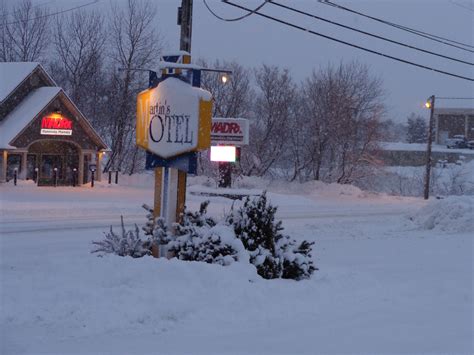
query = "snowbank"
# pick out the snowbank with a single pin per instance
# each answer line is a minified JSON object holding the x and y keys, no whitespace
{"x":316,"y":188}
{"x":452,"y":214}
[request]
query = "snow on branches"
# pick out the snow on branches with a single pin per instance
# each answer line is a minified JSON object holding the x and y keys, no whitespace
{"x":248,"y":234}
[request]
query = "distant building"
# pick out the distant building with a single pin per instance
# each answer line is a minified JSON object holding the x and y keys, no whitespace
{"x":453,"y":121}
{"x":42,"y":133}
{"x":414,"y":154}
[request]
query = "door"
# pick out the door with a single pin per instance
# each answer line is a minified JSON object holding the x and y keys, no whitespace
{"x":30,"y":166}
{"x":51,"y":164}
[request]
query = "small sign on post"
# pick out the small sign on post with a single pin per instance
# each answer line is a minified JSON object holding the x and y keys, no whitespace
{"x":227,"y":137}
{"x":230,"y":131}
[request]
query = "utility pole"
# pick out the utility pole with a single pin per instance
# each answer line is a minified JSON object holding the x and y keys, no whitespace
{"x":430,"y":103}
{"x":185,"y":20}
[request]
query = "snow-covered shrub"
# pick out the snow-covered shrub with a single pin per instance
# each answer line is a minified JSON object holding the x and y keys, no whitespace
{"x":197,"y":237}
{"x":297,"y":260}
{"x":155,"y":229}
{"x":248,"y":234}
{"x":126,"y":243}
{"x":274,"y":254}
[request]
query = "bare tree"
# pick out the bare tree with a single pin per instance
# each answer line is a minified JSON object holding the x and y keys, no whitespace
{"x":273,"y":110}
{"x":134,"y":44}
{"x":23,"y":32}
{"x":79,"y":45}
{"x":356,"y":109}
{"x":79,"y":41}
{"x":335,"y":137}
{"x":233,"y":98}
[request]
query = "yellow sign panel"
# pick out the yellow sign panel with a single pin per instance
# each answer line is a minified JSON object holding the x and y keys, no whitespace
{"x":143,"y":118}
{"x":174,"y":118}
{"x":205,"y":124}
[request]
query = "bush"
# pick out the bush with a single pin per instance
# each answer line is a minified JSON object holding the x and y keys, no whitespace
{"x":199,"y":238}
{"x":128,"y":243}
{"x":248,"y":234}
{"x":274,"y":254}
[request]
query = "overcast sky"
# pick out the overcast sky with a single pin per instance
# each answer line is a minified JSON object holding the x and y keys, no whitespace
{"x":256,"y":40}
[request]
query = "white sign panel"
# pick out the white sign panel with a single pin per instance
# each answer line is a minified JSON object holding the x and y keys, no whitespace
{"x":223,"y":153}
{"x":56,"y":132}
{"x":231,"y":131}
{"x":170,"y":118}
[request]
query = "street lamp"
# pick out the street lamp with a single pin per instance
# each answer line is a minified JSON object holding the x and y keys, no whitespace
{"x":224,"y":78}
{"x":430,"y":102}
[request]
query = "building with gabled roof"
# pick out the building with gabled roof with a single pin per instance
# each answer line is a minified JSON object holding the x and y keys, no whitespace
{"x":43,"y":135}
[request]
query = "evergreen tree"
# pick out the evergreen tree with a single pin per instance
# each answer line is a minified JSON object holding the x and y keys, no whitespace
{"x":417,"y":129}
{"x":275,"y":255}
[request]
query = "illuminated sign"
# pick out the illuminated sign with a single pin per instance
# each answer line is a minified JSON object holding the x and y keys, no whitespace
{"x":173,"y":118}
{"x":56,"y":125}
{"x":223,"y":153}
{"x":233,"y":131}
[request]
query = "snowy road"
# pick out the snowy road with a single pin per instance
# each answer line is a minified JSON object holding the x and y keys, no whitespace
{"x":384,"y":286}
{"x":27,"y":225}
{"x":29,"y":209}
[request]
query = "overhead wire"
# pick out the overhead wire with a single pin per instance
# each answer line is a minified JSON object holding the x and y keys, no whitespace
{"x":436,"y":38}
{"x":33,"y":7}
{"x":462,"y":6}
{"x":51,"y":14}
{"x":368,"y":33}
{"x":454,"y":98}
{"x":236,"y":18}
{"x":349,"y":44}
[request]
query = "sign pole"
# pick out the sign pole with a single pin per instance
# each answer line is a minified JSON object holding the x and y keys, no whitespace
{"x":426,"y":192}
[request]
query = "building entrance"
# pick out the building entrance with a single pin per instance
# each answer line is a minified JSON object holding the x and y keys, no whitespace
{"x":56,"y":162}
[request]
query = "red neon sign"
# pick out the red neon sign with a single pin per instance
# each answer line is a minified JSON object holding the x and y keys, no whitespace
{"x":55,"y":124}
{"x":51,"y":122}
{"x":226,"y":127}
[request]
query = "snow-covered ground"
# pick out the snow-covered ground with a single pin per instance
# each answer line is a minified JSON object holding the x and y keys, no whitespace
{"x":395,"y":277}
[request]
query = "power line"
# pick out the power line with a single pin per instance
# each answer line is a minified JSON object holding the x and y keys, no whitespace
{"x":33,"y":7}
{"x":454,"y":98}
{"x":350,"y":44}
{"x":461,"y":5}
{"x":404,"y":28}
{"x":370,"y":34}
{"x":236,"y":18}
{"x":52,"y":14}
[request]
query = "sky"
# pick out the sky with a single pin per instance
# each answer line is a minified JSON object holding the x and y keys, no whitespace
{"x":256,"y":40}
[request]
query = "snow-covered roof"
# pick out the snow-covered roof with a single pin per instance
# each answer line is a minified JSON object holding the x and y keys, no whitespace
{"x":24,"y":113}
{"x":12,"y":74}
{"x":421,"y":147}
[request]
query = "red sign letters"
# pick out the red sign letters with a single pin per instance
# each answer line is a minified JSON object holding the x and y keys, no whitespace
{"x":56,"y":123}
